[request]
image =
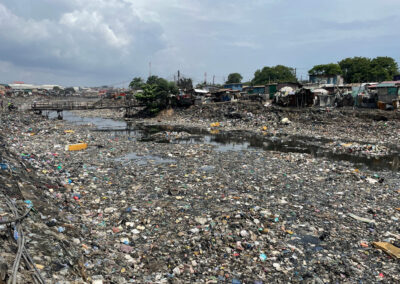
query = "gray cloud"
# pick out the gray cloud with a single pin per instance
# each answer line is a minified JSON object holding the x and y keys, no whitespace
{"x":102,"y":39}
{"x":93,"y":42}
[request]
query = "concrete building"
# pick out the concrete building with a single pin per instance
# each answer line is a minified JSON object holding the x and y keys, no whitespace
{"x":327,"y":79}
{"x":234,"y":86}
{"x":21,"y":86}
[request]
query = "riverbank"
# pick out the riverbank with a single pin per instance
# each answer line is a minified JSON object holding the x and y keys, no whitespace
{"x":367,"y":125}
{"x":138,"y":210}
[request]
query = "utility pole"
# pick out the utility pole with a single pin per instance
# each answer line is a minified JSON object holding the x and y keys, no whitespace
{"x":149,"y":69}
{"x":213,"y":80}
{"x":179,"y":75}
{"x":205,"y":78}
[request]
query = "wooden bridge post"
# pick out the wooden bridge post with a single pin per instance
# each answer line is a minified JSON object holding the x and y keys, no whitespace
{"x":59,"y":114}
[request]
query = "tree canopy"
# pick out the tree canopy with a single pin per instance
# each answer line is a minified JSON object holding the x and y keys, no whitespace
{"x":383,"y":69}
{"x":156,"y":93}
{"x":136,"y":83}
{"x":234,"y":78}
{"x":185,"y":83}
{"x":152,"y":80}
{"x":276,"y":74}
{"x":204,"y":84}
{"x":70,"y":90}
{"x":326,"y":69}
{"x":363,"y":69}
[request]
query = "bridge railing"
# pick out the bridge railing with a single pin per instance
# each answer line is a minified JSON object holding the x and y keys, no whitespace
{"x":66,"y":105}
{"x":77,"y":105}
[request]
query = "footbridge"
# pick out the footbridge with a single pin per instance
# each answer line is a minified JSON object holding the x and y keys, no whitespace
{"x":130,"y":105}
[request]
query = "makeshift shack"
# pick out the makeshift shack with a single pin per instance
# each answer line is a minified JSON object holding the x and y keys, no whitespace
{"x":201,"y":96}
{"x":185,"y":98}
{"x":253,"y":93}
{"x":271,"y":89}
{"x":287,"y":96}
{"x":364,"y":95}
{"x":322,"y":98}
{"x":225,"y":95}
{"x":388,"y":94}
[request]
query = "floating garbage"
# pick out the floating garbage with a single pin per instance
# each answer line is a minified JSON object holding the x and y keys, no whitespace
{"x":388,"y":248}
{"x":76,"y":147}
{"x":285,"y":204}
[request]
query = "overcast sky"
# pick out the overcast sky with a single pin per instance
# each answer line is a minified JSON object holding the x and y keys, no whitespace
{"x":98,"y":42}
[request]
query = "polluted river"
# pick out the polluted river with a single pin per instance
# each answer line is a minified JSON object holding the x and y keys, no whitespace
{"x":199,"y":197}
{"x":231,"y":141}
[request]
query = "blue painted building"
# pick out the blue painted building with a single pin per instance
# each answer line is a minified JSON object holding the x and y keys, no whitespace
{"x":257,"y":90}
{"x":326,"y":79}
{"x":234,"y":86}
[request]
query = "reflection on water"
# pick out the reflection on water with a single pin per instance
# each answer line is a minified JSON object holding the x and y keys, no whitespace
{"x":143,"y":160}
{"x":233,"y":141}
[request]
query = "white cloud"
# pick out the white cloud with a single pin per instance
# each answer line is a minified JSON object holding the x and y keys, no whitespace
{"x":95,"y":24}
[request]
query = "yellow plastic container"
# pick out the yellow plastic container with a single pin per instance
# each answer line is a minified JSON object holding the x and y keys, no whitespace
{"x":76,"y":147}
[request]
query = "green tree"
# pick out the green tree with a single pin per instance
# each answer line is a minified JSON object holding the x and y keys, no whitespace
{"x":156,"y":94}
{"x":362,"y":69}
{"x":326,"y":69}
{"x":234,"y":78}
{"x":152,"y":79}
{"x":203,"y":84}
{"x":356,"y":69}
{"x":276,"y":74}
{"x":70,"y":90}
{"x":383,"y":69}
{"x":136,"y":83}
{"x":185,"y":83}
{"x":148,"y":97}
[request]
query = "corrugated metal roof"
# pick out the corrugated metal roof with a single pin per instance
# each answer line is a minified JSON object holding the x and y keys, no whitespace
{"x":201,"y":91}
{"x":386,"y":85}
{"x":390,"y":82}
